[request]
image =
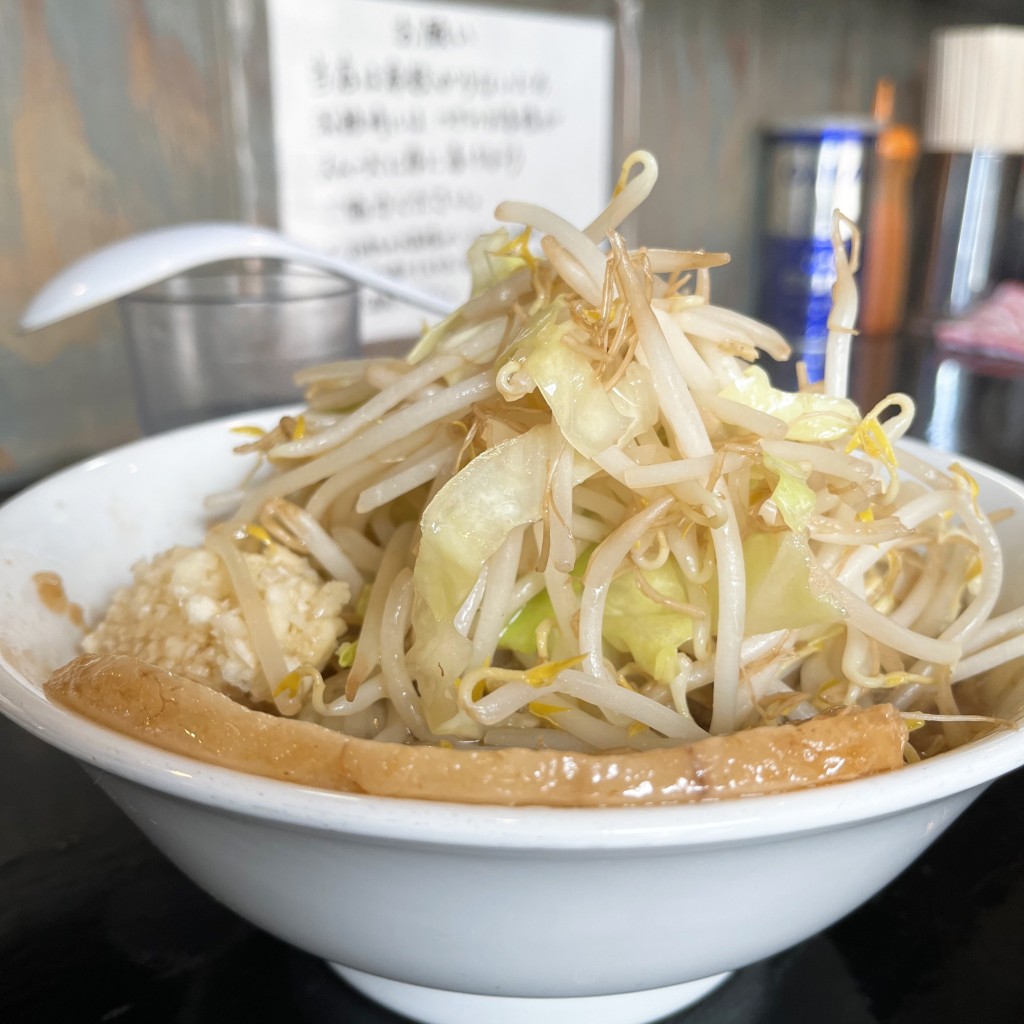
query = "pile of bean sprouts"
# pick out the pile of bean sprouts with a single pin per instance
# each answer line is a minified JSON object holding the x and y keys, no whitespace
{"x":586,"y":441}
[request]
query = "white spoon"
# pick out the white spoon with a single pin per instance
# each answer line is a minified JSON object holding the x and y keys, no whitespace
{"x":141,"y":260}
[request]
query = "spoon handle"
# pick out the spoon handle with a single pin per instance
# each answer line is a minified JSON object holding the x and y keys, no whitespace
{"x":368,"y":278}
{"x":141,"y":260}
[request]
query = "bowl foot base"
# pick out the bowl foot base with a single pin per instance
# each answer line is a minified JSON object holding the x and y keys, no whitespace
{"x":436,"y":1006}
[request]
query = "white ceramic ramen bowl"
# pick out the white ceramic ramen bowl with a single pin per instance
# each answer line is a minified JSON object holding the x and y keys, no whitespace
{"x":452,"y":913}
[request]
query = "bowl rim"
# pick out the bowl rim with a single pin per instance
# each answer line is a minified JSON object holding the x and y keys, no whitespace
{"x":526,"y":827}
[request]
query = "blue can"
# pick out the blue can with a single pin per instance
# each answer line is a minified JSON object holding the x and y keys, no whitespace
{"x":809,"y":169}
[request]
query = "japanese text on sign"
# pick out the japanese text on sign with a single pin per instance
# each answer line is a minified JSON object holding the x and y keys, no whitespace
{"x":400,"y":126}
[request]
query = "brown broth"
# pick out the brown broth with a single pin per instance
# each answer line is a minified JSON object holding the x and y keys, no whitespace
{"x":50,"y":588}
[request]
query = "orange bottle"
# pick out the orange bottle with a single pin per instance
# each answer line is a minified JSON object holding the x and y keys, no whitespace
{"x":887,"y":232}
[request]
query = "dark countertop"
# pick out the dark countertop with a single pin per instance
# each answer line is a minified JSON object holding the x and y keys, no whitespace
{"x":95,"y":925}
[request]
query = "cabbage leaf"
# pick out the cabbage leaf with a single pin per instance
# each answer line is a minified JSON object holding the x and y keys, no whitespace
{"x":591,"y":417}
{"x":810,"y":416}
{"x":792,"y":496}
{"x":491,"y":260}
{"x":650,"y":632}
{"x":470,"y":517}
{"x":463,"y":526}
{"x":784,"y":587}
{"x":633,"y":623}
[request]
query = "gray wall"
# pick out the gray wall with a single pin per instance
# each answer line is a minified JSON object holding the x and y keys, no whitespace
{"x":121,"y":115}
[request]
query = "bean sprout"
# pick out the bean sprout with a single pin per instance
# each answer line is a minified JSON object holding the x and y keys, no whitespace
{"x":581,"y":519}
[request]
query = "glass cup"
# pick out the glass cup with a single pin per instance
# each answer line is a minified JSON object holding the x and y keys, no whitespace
{"x":230,"y":337}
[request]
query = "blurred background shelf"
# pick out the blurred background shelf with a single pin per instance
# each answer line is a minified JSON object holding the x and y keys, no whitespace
{"x":119,"y":117}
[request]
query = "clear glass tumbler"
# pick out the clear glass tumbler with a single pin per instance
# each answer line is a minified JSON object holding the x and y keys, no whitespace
{"x":230,"y":337}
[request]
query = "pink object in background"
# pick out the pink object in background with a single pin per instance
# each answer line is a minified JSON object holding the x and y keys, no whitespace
{"x":993,"y":328}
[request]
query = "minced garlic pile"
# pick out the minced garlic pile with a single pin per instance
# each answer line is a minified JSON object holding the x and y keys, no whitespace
{"x":181,"y":615}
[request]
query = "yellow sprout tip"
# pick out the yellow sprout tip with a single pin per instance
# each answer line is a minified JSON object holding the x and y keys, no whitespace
{"x":258,"y":533}
{"x":972,"y":485}
{"x":542,"y":710}
{"x":541,"y":674}
{"x":872,"y":438}
{"x":290,"y":683}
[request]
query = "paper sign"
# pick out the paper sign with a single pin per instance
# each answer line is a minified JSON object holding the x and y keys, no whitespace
{"x":400,"y":126}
